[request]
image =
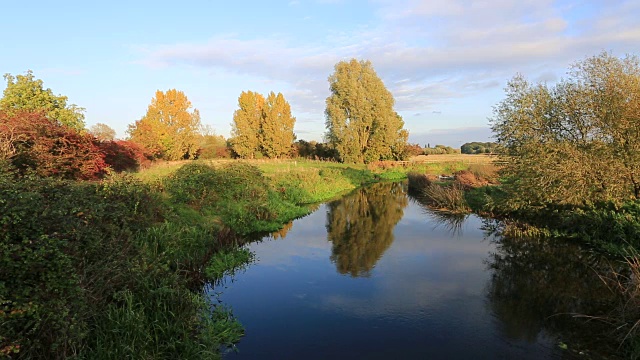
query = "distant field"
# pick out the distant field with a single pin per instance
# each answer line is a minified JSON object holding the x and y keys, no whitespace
{"x":437,"y":164}
{"x":465,"y":158}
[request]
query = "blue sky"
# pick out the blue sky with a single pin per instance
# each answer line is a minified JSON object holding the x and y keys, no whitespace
{"x":445,"y":62}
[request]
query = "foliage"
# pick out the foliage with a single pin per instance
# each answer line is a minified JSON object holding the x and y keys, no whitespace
{"x":446,"y":197}
{"x":314,"y":150}
{"x":361,"y":123}
{"x":24,"y":93}
{"x":245,"y":129}
{"x":440,"y":149}
{"x":576,"y":142}
{"x":32,"y":142}
{"x":414,"y":150}
{"x":276,"y":135}
{"x":479,"y":147}
{"x":170,"y":128}
{"x":237,"y":193}
{"x":87,"y":271}
{"x":262,"y":127}
{"x":211,"y":146}
{"x":102,"y":132}
{"x":122,"y":155}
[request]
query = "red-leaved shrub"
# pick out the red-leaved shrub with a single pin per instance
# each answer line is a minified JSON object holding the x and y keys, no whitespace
{"x":122,"y":155}
{"x":34,"y":142}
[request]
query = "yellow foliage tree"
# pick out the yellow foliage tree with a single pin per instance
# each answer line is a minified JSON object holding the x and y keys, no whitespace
{"x":277,"y":127}
{"x":245,"y":129}
{"x":262,"y":126}
{"x":170,"y":128}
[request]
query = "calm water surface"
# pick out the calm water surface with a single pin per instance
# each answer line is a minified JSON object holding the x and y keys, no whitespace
{"x":376,"y":276}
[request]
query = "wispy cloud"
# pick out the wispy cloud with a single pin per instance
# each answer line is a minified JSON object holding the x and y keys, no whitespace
{"x":427,"y":52}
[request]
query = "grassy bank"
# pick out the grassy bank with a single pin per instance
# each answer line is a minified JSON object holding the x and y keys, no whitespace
{"x":115,"y":269}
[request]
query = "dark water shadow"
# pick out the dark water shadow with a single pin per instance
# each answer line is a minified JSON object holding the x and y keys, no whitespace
{"x":556,"y":287}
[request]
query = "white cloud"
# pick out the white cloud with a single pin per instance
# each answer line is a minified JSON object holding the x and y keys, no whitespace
{"x":427,"y":52}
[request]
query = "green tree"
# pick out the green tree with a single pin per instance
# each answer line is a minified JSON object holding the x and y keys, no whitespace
{"x":361,"y":123}
{"x":26,"y":93}
{"x":170,"y":127}
{"x":245,"y":128}
{"x":576,"y":142}
{"x":102,"y":132}
{"x":276,"y":130}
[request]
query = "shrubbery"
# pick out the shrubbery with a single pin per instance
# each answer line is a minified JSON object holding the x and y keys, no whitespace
{"x":32,"y":142}
{"x":237,"y":193}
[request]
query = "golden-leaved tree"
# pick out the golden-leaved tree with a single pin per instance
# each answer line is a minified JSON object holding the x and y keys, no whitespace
{"x":361,"y":123}
{"x":263,"y":127}
{"x":245,"y":129}
{"x":277,"y":127}
{"x":170,"y":127}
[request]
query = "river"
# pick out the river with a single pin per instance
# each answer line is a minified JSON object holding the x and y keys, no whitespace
{"x":376,"y":275}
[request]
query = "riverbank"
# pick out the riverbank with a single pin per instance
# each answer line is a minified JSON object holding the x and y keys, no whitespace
{"x":115,"y":269}
{"x":608,"y":229}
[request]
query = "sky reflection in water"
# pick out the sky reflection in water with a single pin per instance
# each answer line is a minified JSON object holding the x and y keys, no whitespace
{"x":372,"y":276}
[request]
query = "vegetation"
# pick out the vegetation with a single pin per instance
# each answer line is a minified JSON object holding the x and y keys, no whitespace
{"x":102,"y":132}
{"x":26,"y":93}
{"x":479,"y":148}
{"x":439,"y":149}
{"x":576,"y":143}
{"x":262,"y":127}
{"x":86,"y":270}
{"x":361,"y":123}
{"x":169,"y":129}
{"x":30,"y":141}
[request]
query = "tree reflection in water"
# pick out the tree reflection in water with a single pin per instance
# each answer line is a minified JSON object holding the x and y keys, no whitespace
{"x":542,"y":286}
{"x":360,"y":226}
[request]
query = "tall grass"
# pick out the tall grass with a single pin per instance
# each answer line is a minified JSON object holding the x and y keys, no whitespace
{"x":447,"y":197}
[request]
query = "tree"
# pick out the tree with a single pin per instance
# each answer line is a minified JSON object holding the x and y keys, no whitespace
{"x":26,"y":93}
{"x":262,"y":126}
{"x":102,"y":132}
{"x":170,"y":128}
{"x":245,"y":129}
{"x":211,"y":145}
{"x":361,"y":123}
{"x":577,"y":142}
{"x":276,"y":127}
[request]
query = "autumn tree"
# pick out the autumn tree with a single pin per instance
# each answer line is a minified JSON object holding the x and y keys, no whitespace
{"x":577,"y":142}
{"x":26,"y":93}
{"x":360,"y":120}
{"x":262,"y":126}
{"x":245,"y":129}
{"x":169,"y":128}
{"x":276,"y":131}
{"x":102,"y":132}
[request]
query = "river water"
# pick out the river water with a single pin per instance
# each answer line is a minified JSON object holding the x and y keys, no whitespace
{"x":376,"y":275}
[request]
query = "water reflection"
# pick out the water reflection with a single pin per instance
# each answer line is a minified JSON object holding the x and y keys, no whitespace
{"x":360,"y":226}
{"x":540,"y":286}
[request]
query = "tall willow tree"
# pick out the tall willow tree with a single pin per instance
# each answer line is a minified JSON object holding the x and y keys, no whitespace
{"x":277,"y":127}
{"x":262,"y":126}
{"x":170,"y":127}
{"x":577,"y":142}
{"x":26,"y":93}
{"x":361,"y":123}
